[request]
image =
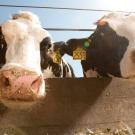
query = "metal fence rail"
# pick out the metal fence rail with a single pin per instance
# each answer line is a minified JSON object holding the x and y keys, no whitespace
{"x":68,"y":29}
{"x":63,"y":8}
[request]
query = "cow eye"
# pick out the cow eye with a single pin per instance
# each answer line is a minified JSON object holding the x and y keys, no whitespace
{"x":48,"y":46}
{"x":106,"y":30}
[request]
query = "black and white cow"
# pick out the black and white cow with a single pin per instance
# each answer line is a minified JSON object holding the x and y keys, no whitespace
{"x":49,"y":67}
{"x":112,"y":47}
{"x":69,"y":47}
{"x":21,"y":77}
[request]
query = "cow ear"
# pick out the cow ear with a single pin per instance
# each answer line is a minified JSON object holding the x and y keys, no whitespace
{"x":46,"y":42}
{"x":61,"y":46}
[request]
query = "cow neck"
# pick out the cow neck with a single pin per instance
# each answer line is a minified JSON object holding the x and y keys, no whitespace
{"x":55,"y":68}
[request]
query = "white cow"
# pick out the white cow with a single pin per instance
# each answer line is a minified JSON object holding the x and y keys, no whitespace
{"x":21,"y":77}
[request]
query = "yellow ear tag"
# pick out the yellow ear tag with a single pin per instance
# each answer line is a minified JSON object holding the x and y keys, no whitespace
{"x":79,"y":54}
{"x":57,"y":57}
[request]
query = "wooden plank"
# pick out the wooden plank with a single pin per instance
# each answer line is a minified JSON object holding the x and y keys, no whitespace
{"x":75,"y":104}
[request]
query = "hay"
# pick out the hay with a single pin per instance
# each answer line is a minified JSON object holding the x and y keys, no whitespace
{"x":120,"y":129}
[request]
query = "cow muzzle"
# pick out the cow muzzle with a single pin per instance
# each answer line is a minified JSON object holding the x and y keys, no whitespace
{"x":19,"y":85}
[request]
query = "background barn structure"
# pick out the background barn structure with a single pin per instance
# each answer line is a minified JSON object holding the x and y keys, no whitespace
{"x":73,"y":105}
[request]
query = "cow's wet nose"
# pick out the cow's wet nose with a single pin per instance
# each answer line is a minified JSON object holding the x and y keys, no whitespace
{"x":19,"y":86}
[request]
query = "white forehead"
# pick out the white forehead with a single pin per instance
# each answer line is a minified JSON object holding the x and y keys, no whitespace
{"x":118,"y":18}
{"x":28,"y":16}
{"x":23,"y":34}
{"x":114,"y":19}
{"x":22,"y":25}
{"x":122,"y":23}
{"x":113,"y":15}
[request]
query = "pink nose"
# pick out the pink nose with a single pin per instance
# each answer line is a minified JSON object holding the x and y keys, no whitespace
{"x":19,"y":87}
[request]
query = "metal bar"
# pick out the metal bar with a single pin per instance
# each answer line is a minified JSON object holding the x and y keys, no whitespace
{"x":68,"y":29}
{"x":49,"y":7}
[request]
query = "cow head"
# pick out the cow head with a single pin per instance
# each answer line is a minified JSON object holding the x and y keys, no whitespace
{"x":71,"y":45}
{"x":109,"y":45}
{"x":21,"y":79}
{"x":50,"y":68}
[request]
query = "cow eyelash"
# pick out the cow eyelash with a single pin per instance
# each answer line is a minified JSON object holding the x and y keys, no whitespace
{"x":48,"y":46}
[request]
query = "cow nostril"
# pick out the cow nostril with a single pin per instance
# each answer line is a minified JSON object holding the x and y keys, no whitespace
{"x":35,"y":84}
{"x":6,"y":82}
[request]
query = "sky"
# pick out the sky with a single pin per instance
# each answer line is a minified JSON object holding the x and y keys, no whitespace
{"x":67,"y":18}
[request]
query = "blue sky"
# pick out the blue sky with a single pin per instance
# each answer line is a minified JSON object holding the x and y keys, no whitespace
{"x":67,"y":19}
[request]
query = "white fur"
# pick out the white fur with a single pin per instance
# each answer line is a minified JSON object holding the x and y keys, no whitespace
{"x":47,"y":73}
{"x":26,"y":15}
{"x":23,"y":35}
{"x":68,"y":74}
{"x":124,"y":25}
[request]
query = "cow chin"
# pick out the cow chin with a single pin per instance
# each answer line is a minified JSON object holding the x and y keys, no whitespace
{"x":20,"y":88}
{"x":18,"y":104}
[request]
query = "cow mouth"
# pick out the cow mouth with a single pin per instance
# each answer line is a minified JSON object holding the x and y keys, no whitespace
{"x":19,"y":87}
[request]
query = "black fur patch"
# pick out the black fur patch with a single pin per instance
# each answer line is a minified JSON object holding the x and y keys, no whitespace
{"x":3,"y":48}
